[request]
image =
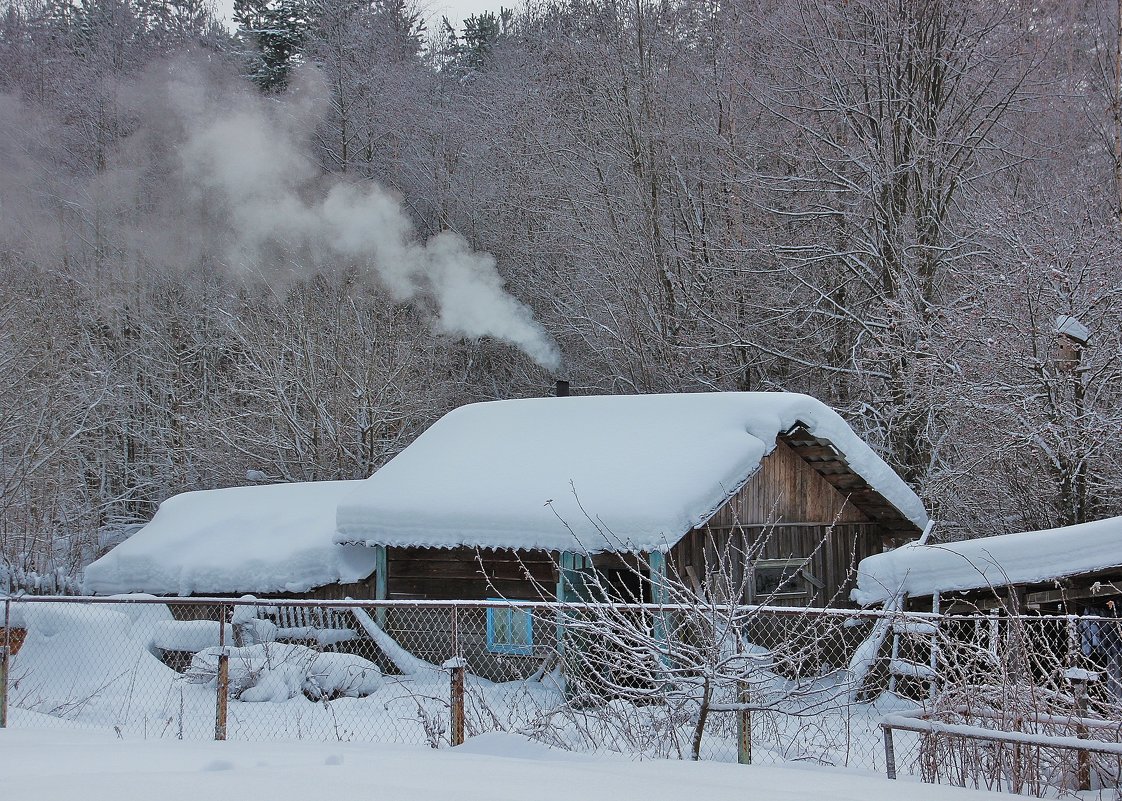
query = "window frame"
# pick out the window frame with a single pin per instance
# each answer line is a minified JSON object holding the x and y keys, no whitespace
{"x":792,"y":570}
{"x":514,"y":620}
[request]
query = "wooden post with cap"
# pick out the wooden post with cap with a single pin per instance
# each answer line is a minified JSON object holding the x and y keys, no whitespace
{"x":223,"y":682}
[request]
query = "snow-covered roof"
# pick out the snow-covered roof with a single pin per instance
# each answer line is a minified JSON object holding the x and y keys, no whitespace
{"x":260,"y":539}
{"x":590,"y":473}
{"x":1071,"y":327}
{"x":1027,"y":557}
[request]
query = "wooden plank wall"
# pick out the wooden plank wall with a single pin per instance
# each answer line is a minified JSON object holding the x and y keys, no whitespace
{"x":787,"y":489}
{"x":468,"y":573}
{"x":831,"y":553}
{"x":358,"y":590}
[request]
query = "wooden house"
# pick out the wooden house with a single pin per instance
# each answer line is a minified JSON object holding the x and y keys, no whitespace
{"x":770,"y":494}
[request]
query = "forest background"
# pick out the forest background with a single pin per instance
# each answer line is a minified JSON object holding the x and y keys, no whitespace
{"x":262,"y":254}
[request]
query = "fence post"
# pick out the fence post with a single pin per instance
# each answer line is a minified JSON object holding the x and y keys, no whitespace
{"x":3,"y":686}
{"x":223,"y":683}
{"x":1079,"y":679}
{"x":889,"y":752}
{"x":457,"y":665}
{"x":744,"y":724}
{"x":5,"y":649}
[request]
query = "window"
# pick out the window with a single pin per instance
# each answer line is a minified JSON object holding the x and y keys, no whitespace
{"x":778,"y":580}
{"x":510,"y":630}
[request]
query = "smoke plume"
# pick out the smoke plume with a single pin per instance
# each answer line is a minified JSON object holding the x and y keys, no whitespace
{"x":249,"y":157}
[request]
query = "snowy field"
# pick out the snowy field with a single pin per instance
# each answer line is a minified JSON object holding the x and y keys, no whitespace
{"x":50,"y":763}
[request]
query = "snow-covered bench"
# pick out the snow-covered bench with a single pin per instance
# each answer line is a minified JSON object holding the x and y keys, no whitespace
{"x":316,"y":627}
{"x":324,"y":627}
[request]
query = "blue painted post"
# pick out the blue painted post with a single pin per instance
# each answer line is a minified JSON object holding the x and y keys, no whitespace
{"x":571,"y":588}
{"x":660,"y":594}
{"x":380,"y":583}
{"x":564,"y":569}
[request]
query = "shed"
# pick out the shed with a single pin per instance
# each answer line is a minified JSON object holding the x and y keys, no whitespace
{"x":268,"y":540}
{"x":1059,"y":569}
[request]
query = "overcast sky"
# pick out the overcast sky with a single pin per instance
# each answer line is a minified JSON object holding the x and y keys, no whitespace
{"x":455,"y":10}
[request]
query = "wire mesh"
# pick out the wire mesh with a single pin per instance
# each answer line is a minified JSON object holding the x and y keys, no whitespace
{"x":751,"y":684}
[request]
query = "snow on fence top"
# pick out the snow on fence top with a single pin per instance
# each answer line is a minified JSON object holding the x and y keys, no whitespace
{"x":1028,"y":557}
{"x":590,"y":473}
{"x":272,"y":538}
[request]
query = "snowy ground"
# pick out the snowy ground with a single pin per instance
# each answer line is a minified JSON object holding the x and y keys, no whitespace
{"x":92,"y":665}
{"x":52,"y":763}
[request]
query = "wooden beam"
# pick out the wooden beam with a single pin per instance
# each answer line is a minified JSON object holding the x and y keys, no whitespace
{"x":1096,"y":590}
{"x":826,"y":452}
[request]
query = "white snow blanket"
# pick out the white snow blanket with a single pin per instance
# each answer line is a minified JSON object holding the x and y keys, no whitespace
{"x":591,"y":474}
{"x":271,"y":538}
{"x":191,"y":635}
{"x":1027,"y":557}
{"x":75,"y":764}
{"x":79,"y":659}
{"x":276,"y":672}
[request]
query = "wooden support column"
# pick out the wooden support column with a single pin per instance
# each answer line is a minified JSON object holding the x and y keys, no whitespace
{"x":456,"y":666}
{"x":744,"y":723}
{"x":3,"y":686}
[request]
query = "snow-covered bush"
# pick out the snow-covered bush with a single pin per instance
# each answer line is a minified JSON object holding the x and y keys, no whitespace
{"x":278,"y":671}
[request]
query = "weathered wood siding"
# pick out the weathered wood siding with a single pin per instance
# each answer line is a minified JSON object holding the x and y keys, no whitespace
{"x":787,"y":510}
{"x":830,"y":555}
{"x":467,"y":573}
{"x":358,"y":590}
{"x":786,"y":490}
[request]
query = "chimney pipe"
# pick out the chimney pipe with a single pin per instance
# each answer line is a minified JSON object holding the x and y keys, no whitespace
{"x":562,"y":389}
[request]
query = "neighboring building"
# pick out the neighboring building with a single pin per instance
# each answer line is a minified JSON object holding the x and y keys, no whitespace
{"x":1058,"y":572}
{"x":1055,"y":570}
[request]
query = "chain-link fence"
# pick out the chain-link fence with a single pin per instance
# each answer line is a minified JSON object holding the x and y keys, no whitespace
{"x":751,"y":684}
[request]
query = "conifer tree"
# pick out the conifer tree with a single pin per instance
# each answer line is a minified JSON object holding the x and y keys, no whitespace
{"x":275,"y":32}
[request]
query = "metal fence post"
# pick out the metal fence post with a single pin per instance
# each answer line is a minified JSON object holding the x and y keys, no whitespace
{"x":889,"y":753}
{"x":744,"y":724}
{"x":223,"y":682}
